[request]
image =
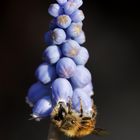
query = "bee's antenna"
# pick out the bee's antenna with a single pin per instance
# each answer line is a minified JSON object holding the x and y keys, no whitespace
{"x":81,"y":108}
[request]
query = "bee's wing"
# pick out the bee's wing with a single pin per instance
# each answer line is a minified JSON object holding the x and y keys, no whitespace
{"x":53,"y":133}
{"x":100,"y":132}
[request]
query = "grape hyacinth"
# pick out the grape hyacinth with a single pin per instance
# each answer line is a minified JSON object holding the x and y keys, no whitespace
{"x":62,"y":76}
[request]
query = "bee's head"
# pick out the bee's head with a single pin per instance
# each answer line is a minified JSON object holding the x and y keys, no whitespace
{"x":59,"y":111}
{"x":69,"y":122}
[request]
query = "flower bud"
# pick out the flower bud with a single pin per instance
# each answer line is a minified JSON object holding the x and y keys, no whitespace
{"x":81,"y":38}
{"x":58,"y":36}
{"x":36,"y":92}
{"x":77,"y":16}
{"x":82,"y":57}
{"x":74,"y":30}
{"x":55,"y":10}
{"x":45,"y":73}
{"x":79,"y":3}
{"x":70,"y":48}
{"x":42,"y":108}
{"x":70,"y":7}
{"x":81,"y":77}
{"x":52,"y":54}
{"x":63,"y":21}
{"x":65,"y":67}
{"x":61,"y":2}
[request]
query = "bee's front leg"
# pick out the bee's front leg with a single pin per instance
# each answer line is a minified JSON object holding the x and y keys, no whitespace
{"x":69,"y":104}
{"x":81,"y":108}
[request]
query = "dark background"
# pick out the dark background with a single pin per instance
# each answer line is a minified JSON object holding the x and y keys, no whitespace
{"x":112,"y":30}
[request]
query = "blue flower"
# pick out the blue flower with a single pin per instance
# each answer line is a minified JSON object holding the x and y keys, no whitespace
{"x":61,"y":2}
{"x":70,"y":48}
{"x":65,"y":67}
{"x":74,"y":30}
{"x":81,"y":77}
{"x":58,"y":36}
{"x":61,"y":90}
{"x":63,"y":21}
{"x":55,"y":10}
{"x":52,"y":54}
{"x":77,"y":16}
{"x":45,"y":73}
{"x":79,"y":3}
{"x":63,"y":76}
{"x":82,"y":57}
{"x":36,"y":92}
{"x":81,"y":38}
{"x":70,"y":7}
{"x":42,"y":108}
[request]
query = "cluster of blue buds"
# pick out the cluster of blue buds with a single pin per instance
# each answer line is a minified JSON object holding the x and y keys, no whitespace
{"x":62,"y":74}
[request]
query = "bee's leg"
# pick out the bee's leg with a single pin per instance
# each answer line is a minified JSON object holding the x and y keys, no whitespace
{"x":94,"y":111}
{"x":69,"y":106}
{"x":81,"y":108}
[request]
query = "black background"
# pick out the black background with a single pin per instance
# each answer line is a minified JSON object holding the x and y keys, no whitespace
{"x":112,"y":30}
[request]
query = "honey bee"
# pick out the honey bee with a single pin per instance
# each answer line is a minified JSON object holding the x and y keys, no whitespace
{"x":72,"y":123}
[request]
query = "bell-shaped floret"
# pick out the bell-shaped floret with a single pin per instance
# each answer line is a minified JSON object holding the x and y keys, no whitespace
{"x":81,"y":100}
{"x":46,"y":73}
{"x":61,"y":90}
{"x":70,"y":48}
{"x":36,"y":92}
{"x":52,"y":54}
{"x":81,"y":77}
{"x":82,"y":57}
{"x":42,"y":108}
